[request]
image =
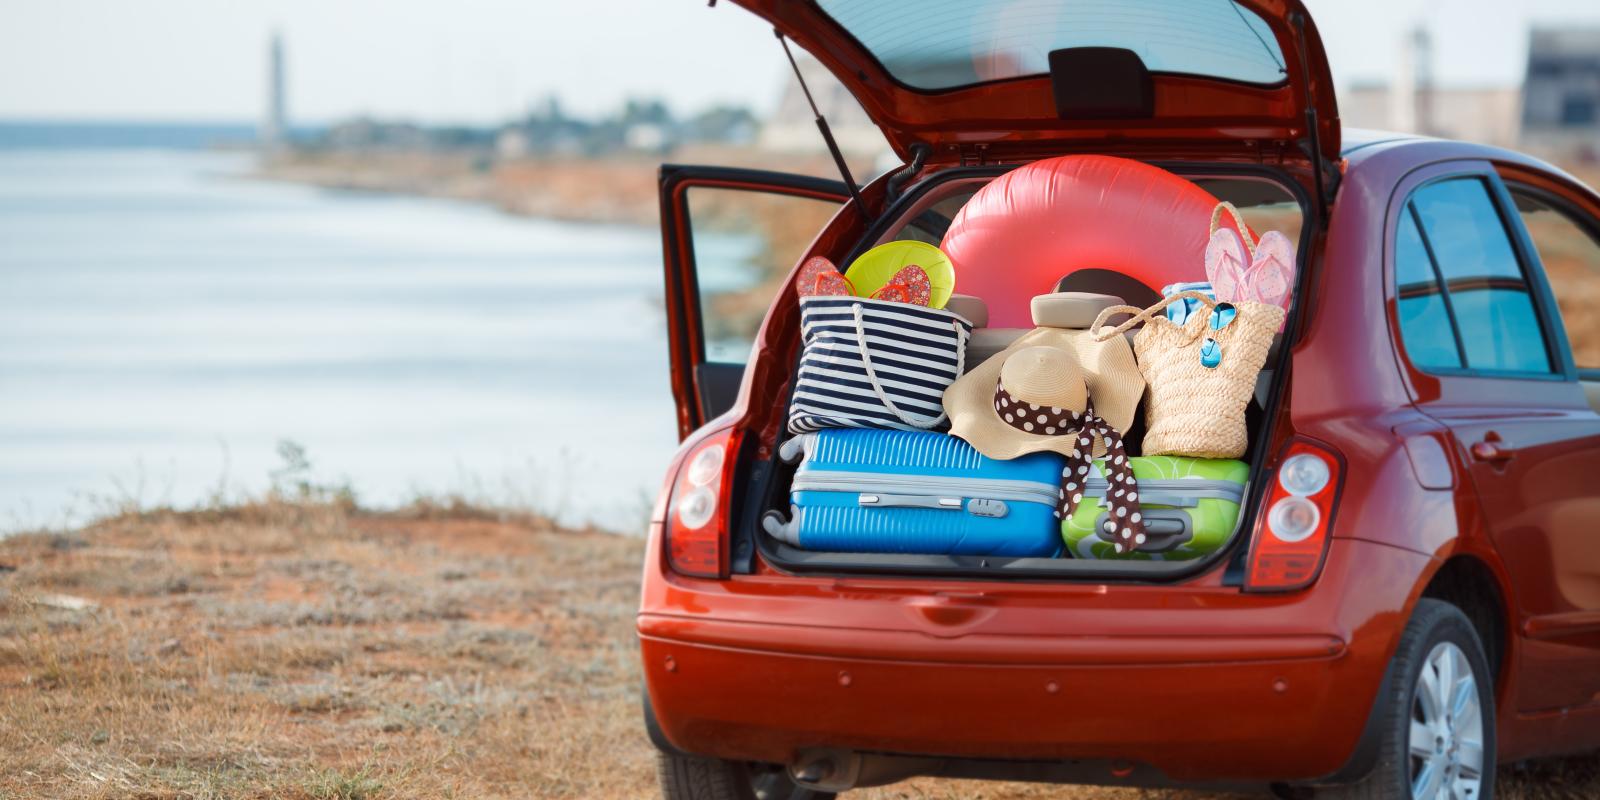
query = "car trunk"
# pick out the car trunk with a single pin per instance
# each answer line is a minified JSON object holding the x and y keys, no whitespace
{"x":1269,"y":198}
{"x":776,"y":479}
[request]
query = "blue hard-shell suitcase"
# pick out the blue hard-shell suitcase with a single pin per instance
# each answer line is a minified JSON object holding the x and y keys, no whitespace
{"x":885,"y":491}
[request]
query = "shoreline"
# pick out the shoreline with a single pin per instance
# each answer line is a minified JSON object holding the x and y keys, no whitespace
{"x":612,"y":190}
{"x":607,"y":192}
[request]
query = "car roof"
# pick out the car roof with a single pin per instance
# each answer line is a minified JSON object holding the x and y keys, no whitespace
{"x":1362,"y":145}
{"x":1361,"y":138}
{"x":1379,"y":157}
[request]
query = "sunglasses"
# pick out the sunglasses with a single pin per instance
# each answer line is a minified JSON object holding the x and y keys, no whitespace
{"x":1210,"y":349}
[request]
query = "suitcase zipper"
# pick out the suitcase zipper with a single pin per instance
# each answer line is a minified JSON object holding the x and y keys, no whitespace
{"x":931,"y":486}
{"x":1181,"y":492}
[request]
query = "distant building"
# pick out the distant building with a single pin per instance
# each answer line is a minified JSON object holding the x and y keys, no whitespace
{"x":545,"y":130}
{"x":650,"y":137}
{"x":643,"y":125}
{"x":512,"y":143}
{"x":1554,"y":114}
{"x":366,"y":134}
{"x":646,"y":125}
{"x":1413,"y":103}
{"x":793,"y":128}
{"x":1561,"y":96}
{"x":733,"y":125}
{"x":274,"y":134}
{"x":1487,"y":114}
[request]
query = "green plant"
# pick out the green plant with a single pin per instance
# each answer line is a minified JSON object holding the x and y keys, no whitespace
{"x":336,"y":785}
{"x":292,"y":481}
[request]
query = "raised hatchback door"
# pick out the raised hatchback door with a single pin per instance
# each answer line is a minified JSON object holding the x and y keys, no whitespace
{"x":1008,"y":79}
{"x":1488,"y":358}
{"x":729,"y":236}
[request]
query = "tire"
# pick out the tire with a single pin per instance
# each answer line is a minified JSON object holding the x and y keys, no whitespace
{"x":694,"y":778}
{"x":1438,"y":638}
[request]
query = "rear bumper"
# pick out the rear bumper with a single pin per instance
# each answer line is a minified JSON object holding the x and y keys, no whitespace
{"x":1199,"y":684}
{"x":1202,"y":719}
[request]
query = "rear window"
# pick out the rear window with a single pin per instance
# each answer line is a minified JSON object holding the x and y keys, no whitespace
{"x":941,"y":44}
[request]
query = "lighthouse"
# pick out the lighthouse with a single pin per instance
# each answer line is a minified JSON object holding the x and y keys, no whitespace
{"x":275,"y":123}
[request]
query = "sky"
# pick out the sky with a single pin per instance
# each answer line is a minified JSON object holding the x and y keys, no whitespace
{"x":481,"y":61}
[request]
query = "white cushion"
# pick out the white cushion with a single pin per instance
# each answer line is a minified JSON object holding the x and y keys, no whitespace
{"x":1070,"y":309}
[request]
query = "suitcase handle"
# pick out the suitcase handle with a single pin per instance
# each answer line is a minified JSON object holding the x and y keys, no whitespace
{"x":978,"y":506}
{"x":1164,"y":529}
{"x":784,"y":529}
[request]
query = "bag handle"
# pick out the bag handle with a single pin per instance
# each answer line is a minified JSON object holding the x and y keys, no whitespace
{"x":872,"y":374}
{"x":1150,"y":314}
{"x":1238,"y":222}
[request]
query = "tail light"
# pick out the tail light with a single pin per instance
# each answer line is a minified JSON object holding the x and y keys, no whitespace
{"x":1291,"y":535}
{"x":696,"y":527}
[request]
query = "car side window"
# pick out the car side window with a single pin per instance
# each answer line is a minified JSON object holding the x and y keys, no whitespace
{"x":1425,"y":326}
{"x":1570,"y":254}
{"x":745,"y":243}
{"x":1482,"y":291}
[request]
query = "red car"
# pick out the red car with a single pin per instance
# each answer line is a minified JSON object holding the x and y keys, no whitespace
{"x":1439,"y":360}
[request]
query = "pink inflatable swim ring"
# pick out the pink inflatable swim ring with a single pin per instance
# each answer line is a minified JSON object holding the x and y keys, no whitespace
{"x":1028,"y":228}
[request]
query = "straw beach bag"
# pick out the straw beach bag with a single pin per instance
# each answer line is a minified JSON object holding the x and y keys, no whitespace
{"x":1200,"y":374}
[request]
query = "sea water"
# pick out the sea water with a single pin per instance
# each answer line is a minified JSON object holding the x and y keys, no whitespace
{"x":167,"y":323}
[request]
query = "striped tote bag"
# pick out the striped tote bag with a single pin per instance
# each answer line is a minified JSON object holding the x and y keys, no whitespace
{"x":875,"y":364}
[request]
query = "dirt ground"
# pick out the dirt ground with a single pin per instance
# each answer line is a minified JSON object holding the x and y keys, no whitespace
{"x":289,"y":651}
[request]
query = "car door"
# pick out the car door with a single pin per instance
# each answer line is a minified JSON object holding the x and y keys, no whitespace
{"x":1488,"y":358}
{"x":729,"y":237}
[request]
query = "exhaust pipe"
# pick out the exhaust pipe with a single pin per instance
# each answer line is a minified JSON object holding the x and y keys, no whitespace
{"x":825,"y":770}
{"x":830,"y":770}
{"x":813,"y":773}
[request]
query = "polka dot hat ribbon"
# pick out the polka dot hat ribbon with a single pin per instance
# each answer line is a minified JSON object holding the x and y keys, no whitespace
{"x":1124,"y":522}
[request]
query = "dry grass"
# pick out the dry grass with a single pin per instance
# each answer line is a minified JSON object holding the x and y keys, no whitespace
{"x":315,"y":651}
{"x":282,"y":650}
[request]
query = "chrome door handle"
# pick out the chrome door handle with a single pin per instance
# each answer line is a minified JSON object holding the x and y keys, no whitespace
{"x":1492,"y":449}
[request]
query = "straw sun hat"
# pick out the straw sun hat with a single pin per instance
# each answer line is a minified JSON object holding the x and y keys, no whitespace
{"x":1044,"y":382}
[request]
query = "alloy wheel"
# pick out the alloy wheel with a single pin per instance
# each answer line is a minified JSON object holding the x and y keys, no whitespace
{"x":1446,"y":738}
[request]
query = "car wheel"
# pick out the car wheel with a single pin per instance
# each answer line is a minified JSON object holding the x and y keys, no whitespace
{"x":1438,"y":726}
{"x":695,"y":778}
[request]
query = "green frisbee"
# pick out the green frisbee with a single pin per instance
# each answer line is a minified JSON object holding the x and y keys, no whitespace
{"x":875,"y":267}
